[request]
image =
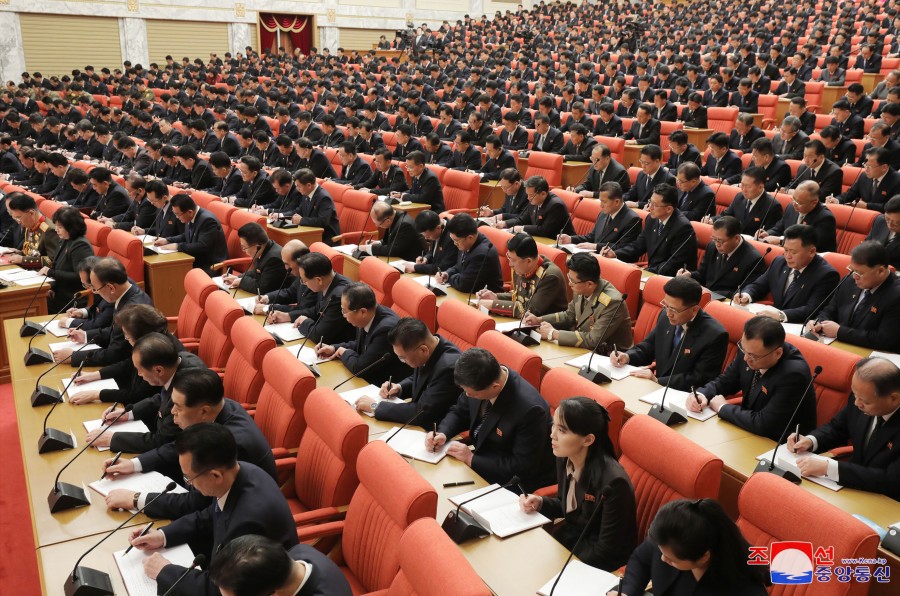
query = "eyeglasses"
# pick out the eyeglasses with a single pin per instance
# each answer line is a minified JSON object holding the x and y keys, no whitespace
{"x":752,"y":357}
{"x":575,"y":283}
{"x":246,"y":249}
{"x":190,"y":481}
{"x":672,"y":309}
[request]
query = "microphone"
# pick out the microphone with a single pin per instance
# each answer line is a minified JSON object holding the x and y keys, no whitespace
{"x":312,"y":367}
{"x":568,"y":219}
{"x":396,"y":235}
{"x":812,"y":334}
{"x":84,"y":580}
{"x":199,"y":561}
{"x":36,"y":356}
{"x":762,"y":222}
{"x":42,"y":395}
{"x":846,"y":224}
{"x":65,"y":496}
{"x":53,"y":439}
{"x":517,"y":334}
{"x":624,"y":234}
{"x":356,"y":374}
{"x":461,"y":526}
{"x":761,"y":259}
{"x":577,"y":542}
{"x":475,"y":281}
{"x":659,"y":271}
{"x":769,"y":466}
{"x":424,"y":409}
{"x":659,"y":411}
{"x":30,"y":328}
{"x":585,"y":371}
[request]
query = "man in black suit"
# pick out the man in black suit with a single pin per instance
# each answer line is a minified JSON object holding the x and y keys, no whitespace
{"x":728,"y":261}
{"x":839,"y":150}
{"x":818,"y":169}
{"x":466,"y":157}
{"x":547,"y":138}
{"x":164,"y":222}
{"x":663,"y":110}
{"x":715,"y":96}
{"x":202,"y":176}
{"x":386,"y":178}
{"x":449,"y":125}
{"x":880,"y":136}
{"x":788,"y":143}
{"x":442,"y":253}
{"x":478,"y":264}
{"x":886,"y":230}
{"x":851,"y":125}
{"x":806,"y":208}
{"x":651,"y":175}
{"x":868,"y":422}
{"x":604,"y":169}
{"x":684,"y":327}
{"x":867,"y":312}
{"x":771,"y":373}
{"x":478,"y":129}
{"x":616,"y":225}
{"x":507,"y":419}
{"x":547,"y":216}
{"x":746,"y":99}
{"x":753,"y":206}
{"x":109,"y":280}
{"x":880,"y":183}
{"x":373,"y":323}
{"x":513,"y":137}
{"x":228,"y":141}
{"x":776,"y":170}
{"x":798,"y":281}
{"x":247,"y":501}
{"x":790,"y":85}
{"x":269,"y":568}
{"x":316,"y":207}
{"x":140,"y":213}
{"x":498,"y":159}
{"x":437,"y":153}
{"x":695,"y":198}
{"x":401,"y":240}
{"x":265,"y":273}
{"x":668,"y":238}
{"x":722,"y":163}
{"x":430,"y":389}
{"x":579,"y":146}
{"x":425,"y":187}
{"x":744,"y":133}
{"x":645,"y":130}
{"x":860,"y":104}
{"x":515,"y":202}
{"x":286,"y":304}
{"x":257,"y":188}
{"x":608,"y":124}
{"x":681,"y":151}
{"x":326,"y":323}
{"x":114,"y":200}
{"x":203,"y":237}
{"x":355,"y":170}
{"x":868,"y":60}
{"x":694,"y":115}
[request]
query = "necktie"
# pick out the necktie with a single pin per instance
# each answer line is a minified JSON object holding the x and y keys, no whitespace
{"x":874,"y":186}
{"x":861,"y":306}
{"x":800,"y":218}
{"x":791,"y":283}
{"x":482,"y":416}
{"x":682,"y":204}
{"x":879,"y":422}
{"x":540,"y":142}
{"x":679,"y":331}
{"x":189,"y":231}
{"x":754,"y":381}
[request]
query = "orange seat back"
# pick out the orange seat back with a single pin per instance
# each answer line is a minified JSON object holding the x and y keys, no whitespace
{"x":462,"y":324}
{"x":412,"y":299}
{"x":243,"y":372}
{"x":563,"y":382}
{"x":379,"y":276}
{"x":513,"y":355}
{"x":279,"y":410}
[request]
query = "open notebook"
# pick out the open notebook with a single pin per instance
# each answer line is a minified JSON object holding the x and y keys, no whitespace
{"x":284,"y":331}
{"x":352,"y":396}
{"x":603,"y":365}
{"x":132,"y":426}
{"x":675,"y":401}
{"x":92,"y":386}
{"x":131,"y":566}
{"x":580,"y":579}
{"x":499,"y":512}
{"x":148,"y":482}
{"x":787,"y":460}
{"x":411,"y":443}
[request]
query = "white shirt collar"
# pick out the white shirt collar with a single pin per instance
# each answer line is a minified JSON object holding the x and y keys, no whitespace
{"x":740,"y":242}
{"x":307,"y":572}
{"x":221,"y":500}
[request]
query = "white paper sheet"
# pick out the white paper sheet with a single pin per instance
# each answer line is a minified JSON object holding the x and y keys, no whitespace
{"x":92,"y":386}
{"x":602,"y":364}
{"x":788,"y":461}
{"x":675,"y":401}
{"x":131,"y":566}
{"x":132,"y":426}
{"x":285,"y":331}
{"x":411,"y":443}
{"x":580,"y":579}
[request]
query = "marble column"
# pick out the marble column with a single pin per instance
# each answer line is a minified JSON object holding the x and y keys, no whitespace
{"x":239,"y":37}
{"x":477,"y":9}
{"x":133,"y":33}
{"x":331,"y":38}
{"x":12,"y":54}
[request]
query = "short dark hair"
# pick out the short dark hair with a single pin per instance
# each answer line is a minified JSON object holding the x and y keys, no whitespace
{"x":427,"y":220}
{"x":71,"y":220}
{"x":211,"y":446}
{"x":806,"y":234}
{"x":360,"y":295}
{"x":409,"y":333}
{"x":253,"y":233}
{"x":199,"y":386}
{"x":613,"y":190}
{"x":140,"y":320}
{"x":184,"y":202}
{"x":251,"y":565}
{"x":315,"y":264}
{"x":730,"y":224}
{"x":585,"y":266}
{"x":686,"y":289}
{"x":110,"y":270}
{"x":477,"y":369}
{"x":20,"y":202}
{"x":523,"y":245}
{"x":871,"y":254}
{"x":462,"y":225}
{"x":882,"y":373}
{"x":765,"y":329}
{"x":156,"y":349}
{"x":668,"y":194}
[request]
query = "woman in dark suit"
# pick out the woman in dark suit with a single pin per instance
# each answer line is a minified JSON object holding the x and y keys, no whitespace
{"x":73,"y":249}
{"x":693,"y":549}
{"x":595,"y":496}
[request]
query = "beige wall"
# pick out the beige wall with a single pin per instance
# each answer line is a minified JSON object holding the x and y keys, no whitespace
{"x":56,"y":44}
{"x":185,"y":38}
{"x":362,"y":39}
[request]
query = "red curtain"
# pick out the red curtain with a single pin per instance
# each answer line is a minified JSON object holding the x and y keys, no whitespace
{"x":296,"y":32}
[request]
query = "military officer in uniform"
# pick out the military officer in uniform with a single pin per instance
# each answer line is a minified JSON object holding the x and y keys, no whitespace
{"x":39,"y":238}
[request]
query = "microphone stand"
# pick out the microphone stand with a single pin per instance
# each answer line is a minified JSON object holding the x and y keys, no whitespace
{"x":659,"y":411}
{"x":52,"y":439}
{"x":312,"y":367}
{"x":568,"y":220}
{"x":475,"y":281}
{"x":577,"y":542}
{"x":43,"y":395}
{"x":846,"y":224}
{"x":399,"y":216}
{"x":674,"y":252}
{"x":460,"y":526}
{"x":586,"y":372}
{"x":65,"y":496}
{"x":30,"y":328}
{"x":517,"y":334}
{"x":380,"y":360}
{"x":408,"y":422}
{"x":811,"y":335}
{"x":761,"y":259}
{"x":36,"y":356}
{"x":769,"y":467}
{"x":622,"y":235}
{"x":199,"y":561}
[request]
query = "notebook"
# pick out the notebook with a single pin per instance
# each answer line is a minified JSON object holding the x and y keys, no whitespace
{"x":71,"y":345}
{"x":284,"y":331}
{"x":675,"y":401}
{"x":92,"y":386}
{"x":352,"y":396}
{"x":220,"y":281}
{"x":499,"y":512}
{"x":573,"y":249}
{"x":603,"y":365}
{"x":132,"y":426}
{"x":580,"y":579}
{"x":347,"y":249}
{"x":787,"y":460}
{"x":429,"y":282}
{"x":411,"y":443}
{"x":248,"y":303}
{"x":131,"y":566}
{"x":400,"y":265}
{"x":797,"y":329}
{"x":149,"y":482}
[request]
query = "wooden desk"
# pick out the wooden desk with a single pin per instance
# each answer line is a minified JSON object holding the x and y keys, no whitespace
{"x":164,"y":277}
{"x":55,"y":561}
{"x":781,"y":110}
{"x":490,"y":194}
{"x":697,"y":137}
{"x":829,"y":96}
{"x":573,"y":174}
{"x":304,"y":234}
{"x":413,"y":209}
{"x":13,"y":302}
{"x":758,"y":119}
{"x":870,"y":80}
{"x":632,"y":156}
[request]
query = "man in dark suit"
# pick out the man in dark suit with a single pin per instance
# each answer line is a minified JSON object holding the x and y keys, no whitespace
{"x":866,"y":312}
{"x":449,"y":125}
{"x":839,"y":150}
{"x":228,"y":141}
{"x":604,"y":169}
{"x":728,"y":261}
{"x":498,"y":159}
{"x":851,"y":125}
{"x":257,"y":188}
{"x":694,"y":115}
{"x":437,"y":153}
{"x":316,"y":208}
{"x":684,"y":327}
{"x":114,"y":200}
{"x":547,"y":216}
{"x":466,"y":157}
{"x":442,"y":253}
{"x":695,"y":198}
{"x":880,"y":183}
{"x":798,"y":281}
{"x":746,"y":99}
{"x":860,"y":104}
{"x":109,"y":280}
{"x":645,"y":130}
{"x":868,"y":422}
{"x":651,"y":175}
{"x":791,"y":86}
{"x":302,"y":570}
{"x":579,"y":146}
{"x":478,"y":264}
{"x":386,"y":178}
{"x":886,"y":230}
{"x":165,"y":223}
{"x":265,"y":273}
{"x":715,"y":96}
{"x":201,"y":175}
{"x":247,"y":501}
{"x":608,"y":124}
{"x":617,"y":224}
{"x":818,"y":169}
{"x":355,"y":170}
{"x":547,"y":138}
{"x":744,"y":133}
{"x":868,"y":60}
{"x":806,"y":208}
{"x":326,"y":324}
{"x":507,"y":419}
{"x":681,"y":151}
{"x":203,"y":237}
{"x":513,"y":137}
{"x":373,"y":323}
{"x":722,"y":163}
{"x":430,"y":389}
{"x":773,"y":376}
{"x":753,"y":206}
{"x":776,"y":170}
{"x":663,"y":110}
{"x":789,"y":142}
{"x":401,"y":240}
{"x":425,"y":187}
{"x":668,"y":238}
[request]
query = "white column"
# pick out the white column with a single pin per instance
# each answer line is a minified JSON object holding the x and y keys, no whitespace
{"x":477,"y":9}
{"x":239,"y":37}
{"x":133,"y":35}
{"x":12,"y":54}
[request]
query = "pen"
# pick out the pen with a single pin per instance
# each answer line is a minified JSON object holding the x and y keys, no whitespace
{"x":796,"y":437}
{"x":615,"y":350}
{"x":694,"y":393}
{"x":143,"y":533}
{"x":453,"y":484}
{"x":112,"y":463}
{"x":433,"y":436}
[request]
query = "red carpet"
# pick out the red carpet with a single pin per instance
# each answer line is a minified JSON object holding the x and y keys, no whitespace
{"x":18,"y":562}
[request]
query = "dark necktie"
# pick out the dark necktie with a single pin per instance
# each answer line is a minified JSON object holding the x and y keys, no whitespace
{"x":879,"y":422}
{"x":792,"y":284}
{"x":754,"y":381}
{"x":189,"y":231}
{"x":679,"y":331}
{"x":861,"y":306}
{"x":482,"y":416}
{"x":682,"y":204}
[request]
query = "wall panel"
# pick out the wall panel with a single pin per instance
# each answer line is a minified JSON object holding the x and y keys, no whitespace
{"x":193,"y":39}
{"x":56,"y":44}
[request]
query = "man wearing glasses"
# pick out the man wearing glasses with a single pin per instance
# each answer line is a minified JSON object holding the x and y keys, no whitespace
{"x":265,"y":273}
{"x":728,"y":259}
{"x":401,"y":240}
{"x":616,"y":224}
{"x":651,"y":175}
{"x":515,"y":200}
{"x":886,"y":230}
{"x":772,"y":375}
{"x":866,"y":312}
{"x":880,"y":183}
{"x":39,"y":239}
{"x":684,"y":327}
{"x":203,"y":237}
{"x":604,"y":169}
{"x":805,"y":208}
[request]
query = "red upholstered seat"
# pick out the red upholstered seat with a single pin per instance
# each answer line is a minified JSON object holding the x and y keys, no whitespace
{"x":462,"y":324}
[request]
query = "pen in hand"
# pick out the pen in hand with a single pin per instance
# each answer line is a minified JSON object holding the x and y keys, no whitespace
{"x":694,"y":393}
{"x":796,"y":437}
{"x":112,"y":463}
{"x":433,"y":438}
{"x":143,"y":533}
